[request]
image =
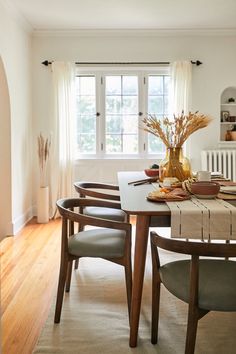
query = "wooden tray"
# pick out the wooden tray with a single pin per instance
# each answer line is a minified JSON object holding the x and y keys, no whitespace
{"x":159,"y":200}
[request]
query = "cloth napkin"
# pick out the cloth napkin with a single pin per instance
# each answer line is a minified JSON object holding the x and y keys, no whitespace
{"x":203,"y":219}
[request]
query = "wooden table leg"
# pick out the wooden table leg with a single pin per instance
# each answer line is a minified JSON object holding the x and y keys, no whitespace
{"x":141,"y":238}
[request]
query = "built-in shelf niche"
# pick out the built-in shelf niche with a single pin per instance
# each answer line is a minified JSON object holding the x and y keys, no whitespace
{"x":227,"y":115}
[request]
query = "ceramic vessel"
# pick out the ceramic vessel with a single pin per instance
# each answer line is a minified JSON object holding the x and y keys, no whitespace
{"x":205,"y":190}
{"x":43,"y":205}
{"x":152,"y":172}
{"x":233,"y":135}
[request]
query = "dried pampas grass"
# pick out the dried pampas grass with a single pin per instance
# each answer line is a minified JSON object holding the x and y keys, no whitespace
{"x":44,"y":145}
{"x":175,"y":132}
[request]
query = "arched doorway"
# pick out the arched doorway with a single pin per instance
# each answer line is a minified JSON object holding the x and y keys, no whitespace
{"x":5,"y":156}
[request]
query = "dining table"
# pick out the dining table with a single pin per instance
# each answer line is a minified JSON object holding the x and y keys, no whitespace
{"x":134,"y":202}
{"x":133,"y":199}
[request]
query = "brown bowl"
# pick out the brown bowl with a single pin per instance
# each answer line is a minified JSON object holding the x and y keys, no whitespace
{"x":205,"y":190}
{"x":152,"y":172}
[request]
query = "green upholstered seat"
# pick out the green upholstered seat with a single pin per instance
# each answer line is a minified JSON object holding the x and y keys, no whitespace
{"x":105,"y":213}
{"x":104,"y":243}
{"x":217,"y":282}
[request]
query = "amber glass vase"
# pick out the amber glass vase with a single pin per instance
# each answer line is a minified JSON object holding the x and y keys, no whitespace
{"x":175,"y":165}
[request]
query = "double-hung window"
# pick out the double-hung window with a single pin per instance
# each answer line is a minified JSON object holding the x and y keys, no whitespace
{"x":110,"y":108}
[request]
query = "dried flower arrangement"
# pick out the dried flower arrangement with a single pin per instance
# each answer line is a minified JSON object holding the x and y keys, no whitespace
{"x":174,"y":133}
{"x":44,"y":145}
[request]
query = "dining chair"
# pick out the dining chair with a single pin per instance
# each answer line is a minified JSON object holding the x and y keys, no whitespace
{"x":206,"y":284}
{"x":110,"y":240}
{"x":100,"y":191}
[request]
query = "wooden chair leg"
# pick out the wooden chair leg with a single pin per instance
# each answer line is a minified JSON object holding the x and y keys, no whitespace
{"x":60,"y":290}
{"x":76,"y":264}
{"x":156,"y":287}
{"x":68,"y":277}
{"x":128,"y":280}
{"x":191,"y":331}
{"x":80,"y":228}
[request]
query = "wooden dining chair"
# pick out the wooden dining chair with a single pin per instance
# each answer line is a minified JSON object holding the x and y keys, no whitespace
{"x":206,"y":284}
{"x":100,"y":191}
{"x":111,"y":240}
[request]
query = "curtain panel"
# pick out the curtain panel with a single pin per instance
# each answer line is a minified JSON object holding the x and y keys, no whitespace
{"x":181,"y":77}
{"x":181,"y":92}
{"x":63,"y":133}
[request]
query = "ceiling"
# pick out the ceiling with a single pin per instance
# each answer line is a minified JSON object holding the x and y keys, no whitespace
{"x":127,"y":14}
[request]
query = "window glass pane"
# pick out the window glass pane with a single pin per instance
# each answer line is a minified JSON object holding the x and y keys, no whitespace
{"x":155,"y":104}
{"x":130,"y":144}
{"x":130,"y":104}
{"x":86,"y":104}
{"x":158,"y":105}
{"x":121,"y":116}
{"x":86,"y":143}
{"x":130,"y":85}
{"x":113,"y":143}
{"x":130,"y":124}
{"x":155,"y":145}
{"x":87,"y":124}
{"x":86,"y":114}
{"x":86,"y":86}
{"x":113,"y":85}
{"x":113,"y":104}
{"x":113,"y":124}
{"x":155,"y":85}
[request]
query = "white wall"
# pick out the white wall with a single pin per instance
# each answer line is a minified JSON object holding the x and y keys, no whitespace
{"x":5,"y":156}
{"x":15,"y":51}
{"x":218,"y":71}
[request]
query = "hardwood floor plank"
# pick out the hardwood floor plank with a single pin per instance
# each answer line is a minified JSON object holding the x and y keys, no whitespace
{"x":29,"y":274}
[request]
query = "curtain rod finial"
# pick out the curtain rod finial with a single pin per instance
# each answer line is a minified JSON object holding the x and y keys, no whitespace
{"x":46,"y":62}
{"x":197,"y":62}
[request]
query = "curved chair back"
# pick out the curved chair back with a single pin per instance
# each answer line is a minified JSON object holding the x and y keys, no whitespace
{"x":208,"y":249}
{"x":92,"y":189}
{"x":195,"y":281}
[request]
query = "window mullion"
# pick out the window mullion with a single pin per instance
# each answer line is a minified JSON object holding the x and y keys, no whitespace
{"x":102,"y":147}
{"x":142,"y":109}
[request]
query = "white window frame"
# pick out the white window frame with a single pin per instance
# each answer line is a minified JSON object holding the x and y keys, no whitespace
{"x":100,"y":73}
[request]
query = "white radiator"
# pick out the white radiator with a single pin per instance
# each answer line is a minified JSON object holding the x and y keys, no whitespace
{"x":223,"y":161}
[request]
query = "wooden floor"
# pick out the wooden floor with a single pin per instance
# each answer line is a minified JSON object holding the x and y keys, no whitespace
{"x":29,"y":264}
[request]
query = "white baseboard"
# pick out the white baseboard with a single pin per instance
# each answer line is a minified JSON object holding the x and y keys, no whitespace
{"x":20,"y":222}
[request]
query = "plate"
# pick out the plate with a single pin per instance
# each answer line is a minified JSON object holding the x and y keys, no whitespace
{"x":206,"y":196}
{"x":228,"y":192}
{"x":159,"y":200}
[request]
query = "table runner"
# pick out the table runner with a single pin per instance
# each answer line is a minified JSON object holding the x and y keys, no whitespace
{"x":203,"y":219}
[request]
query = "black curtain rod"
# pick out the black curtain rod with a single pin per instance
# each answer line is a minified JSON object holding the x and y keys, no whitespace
{"x":197,"y":62}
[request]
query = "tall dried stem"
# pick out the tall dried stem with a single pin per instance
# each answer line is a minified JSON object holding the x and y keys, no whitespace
{"x":44,"y":145}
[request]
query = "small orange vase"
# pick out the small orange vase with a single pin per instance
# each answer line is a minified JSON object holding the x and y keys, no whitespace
{"x":175,"y":165}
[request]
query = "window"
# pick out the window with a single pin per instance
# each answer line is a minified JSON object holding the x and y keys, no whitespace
{"x":110,"y":108}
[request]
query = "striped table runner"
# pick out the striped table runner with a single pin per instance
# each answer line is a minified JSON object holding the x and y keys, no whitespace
{"x":203,"y":219}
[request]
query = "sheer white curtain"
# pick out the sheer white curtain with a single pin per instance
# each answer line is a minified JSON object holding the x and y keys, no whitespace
{"x":181,"y":77}
{"x":63,"y":133}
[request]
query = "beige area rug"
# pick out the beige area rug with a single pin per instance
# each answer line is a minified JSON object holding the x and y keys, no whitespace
{"x":94,"y":318}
